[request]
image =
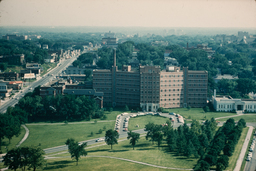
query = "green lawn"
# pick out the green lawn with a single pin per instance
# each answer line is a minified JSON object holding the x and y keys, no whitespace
{"x":144,"y":152}
{"x":247,"y":118}
{"x":143,"y":120}
{"x":91,"y":163}
{"x":56,"y":135}
{"x":112,"y":115}
{"x":198,"y":113}
{"x":46,"y":66}
{"x":14,"y":141}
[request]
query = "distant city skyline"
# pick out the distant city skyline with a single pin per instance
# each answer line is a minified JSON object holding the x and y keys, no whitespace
{"x":129,"y":13}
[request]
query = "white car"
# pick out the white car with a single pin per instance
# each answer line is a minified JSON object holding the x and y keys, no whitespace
{"x":99,"y":140}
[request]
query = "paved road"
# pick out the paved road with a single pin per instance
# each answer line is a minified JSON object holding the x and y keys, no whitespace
{"x":243,"y":150}
{"x":48,"y":77}
{"x":251,"y":165}
{"x":122,"y":134}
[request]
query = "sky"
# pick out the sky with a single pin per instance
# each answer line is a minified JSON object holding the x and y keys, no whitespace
{"x":129,"y":13}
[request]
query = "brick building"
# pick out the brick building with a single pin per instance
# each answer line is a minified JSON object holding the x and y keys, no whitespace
{"x":150,"y":88}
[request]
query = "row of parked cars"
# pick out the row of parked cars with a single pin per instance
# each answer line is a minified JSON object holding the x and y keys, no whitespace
{"x":251,"y":149}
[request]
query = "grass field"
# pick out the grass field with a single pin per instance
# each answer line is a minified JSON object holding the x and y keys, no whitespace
{"x":55,"y":135}
{"x":143,"y":120}
{"x":247,"y":118}
{"x":198,"y":113}
{"x":14,"y":141}
{"x":144,"y":152}
{"x":112,"y":115}
{"x":46,"y":66}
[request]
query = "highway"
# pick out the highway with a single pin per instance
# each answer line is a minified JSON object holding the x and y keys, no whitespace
{"x":41,"y":81}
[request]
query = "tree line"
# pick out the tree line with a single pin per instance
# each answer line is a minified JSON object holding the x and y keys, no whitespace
{"x":221,"y":147}
{"x":50,"y":108}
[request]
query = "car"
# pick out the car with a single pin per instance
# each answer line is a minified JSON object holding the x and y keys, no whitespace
{"x":172,"y":113}
{"x":248,"y":158}
{"x":30,"y":88}
{"x":99,"y":140}
{"x":17,"y":98}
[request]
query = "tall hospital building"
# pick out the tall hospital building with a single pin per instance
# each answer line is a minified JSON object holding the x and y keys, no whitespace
{"x":149,"y":87}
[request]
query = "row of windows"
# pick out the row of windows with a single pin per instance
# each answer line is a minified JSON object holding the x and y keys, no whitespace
{"x":164,"y":95}
{"x":172,"y":90}
{"x":150,"y":86}
{"x":172,"y":85}
{"x":150,"y":82}
{"x":171,"y":80}
{"x":171,"y":76}
{"x":171,"y":99}
{"x":154,"y":97}
{"x":196,"y":80}
{"x":196,"y":75}
{"x":149,"y":77}
{"x":142,"y":101}
{"x":197,"y":90}
{"x":197,"y":85}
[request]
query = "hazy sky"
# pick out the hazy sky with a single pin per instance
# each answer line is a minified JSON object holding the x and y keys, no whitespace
{"x":146,"y":13}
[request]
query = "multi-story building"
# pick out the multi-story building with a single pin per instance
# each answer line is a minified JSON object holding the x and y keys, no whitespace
{"x":150,"y":88}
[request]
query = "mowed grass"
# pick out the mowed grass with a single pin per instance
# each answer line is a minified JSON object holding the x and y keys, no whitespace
{"x":143,"y":120}
{"x":92,"y":163}
{"x":145,"y":152}
{"x":112,"y":115}
{"x":14,"y":141}
{"x":198,"y":113}
{"x":247,"y":118}
{"x":55,"y":135}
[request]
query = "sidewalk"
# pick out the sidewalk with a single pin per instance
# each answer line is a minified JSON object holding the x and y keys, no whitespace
{"x":244,"y":148}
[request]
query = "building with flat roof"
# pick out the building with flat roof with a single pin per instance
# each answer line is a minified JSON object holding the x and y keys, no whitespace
{"x":150,"y":88}
{"x":228,"y":104}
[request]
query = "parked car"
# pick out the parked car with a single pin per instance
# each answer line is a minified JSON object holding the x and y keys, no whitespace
{"x":99,"y":140}
{"x":172,"y":113}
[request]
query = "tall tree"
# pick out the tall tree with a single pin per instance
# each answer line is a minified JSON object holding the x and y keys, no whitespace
{"x":134,"y":137}
{"x":111,"y":137}
{"x":76,"y":150}
{"x":36,"y":158}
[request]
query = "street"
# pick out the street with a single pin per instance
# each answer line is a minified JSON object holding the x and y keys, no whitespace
{"x":43,"y":80}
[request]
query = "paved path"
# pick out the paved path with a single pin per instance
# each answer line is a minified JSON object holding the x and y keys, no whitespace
{"x":25,"y":136}
{"x":67,"y":123}
{"x":243,"y":150}
{"x":234,"y":116}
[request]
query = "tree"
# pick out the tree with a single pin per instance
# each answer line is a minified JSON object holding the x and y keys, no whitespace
{"x":3,"y":66}
{"x":222,"y":163}
{"x":12,"y":159}
{"x":202,"y":166}
{"x":245,"y":85}
{"x":158,"y":137}
{"x":12,"y":128}
{"x":126,"y":108}
{"x":189,"y":150}
{"x":134,"y":137}
{"x":36,"y":158}
{"x":75,"y":149}
{"x":111,"y":137}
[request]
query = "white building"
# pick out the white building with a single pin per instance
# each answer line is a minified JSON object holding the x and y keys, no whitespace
{"x":227,"y":104}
